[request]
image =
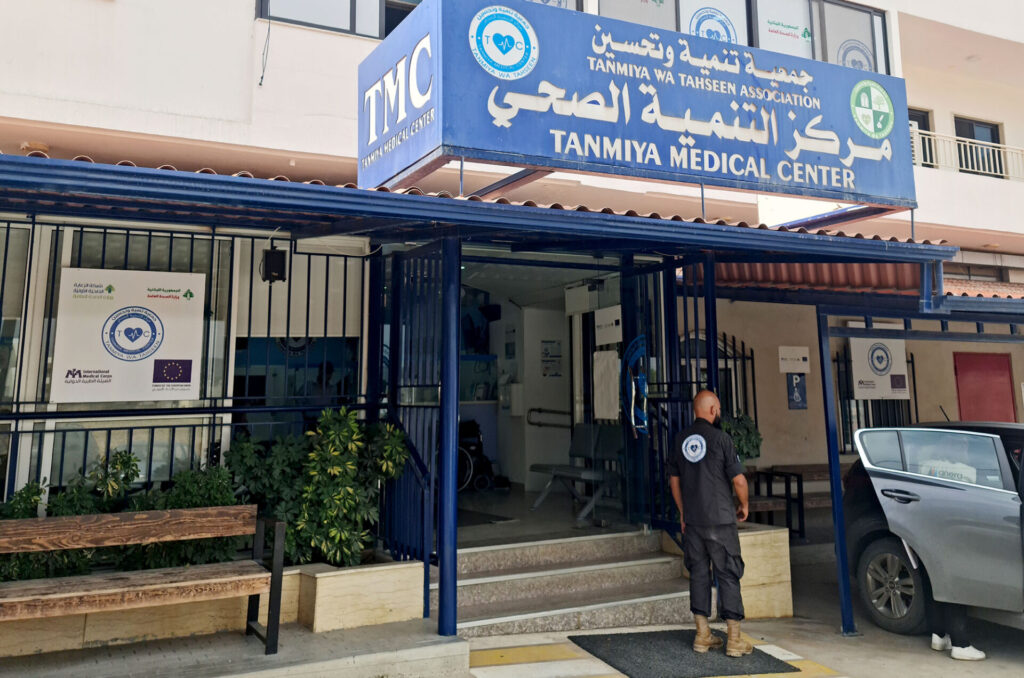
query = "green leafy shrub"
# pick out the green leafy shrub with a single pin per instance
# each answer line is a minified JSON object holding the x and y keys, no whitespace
{"x":745,"y":435}
{"x":271,"y":476}
{"x":14,"y":566}
{"x":325,"y":486}
{"x":191,"y":489}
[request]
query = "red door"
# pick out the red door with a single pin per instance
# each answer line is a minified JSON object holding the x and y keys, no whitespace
{"x":984,"y":387}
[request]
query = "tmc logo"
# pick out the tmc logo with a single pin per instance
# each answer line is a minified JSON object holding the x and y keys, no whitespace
{"x":132,"y":333}
{"x":880,"y":359}
{"x":503,"y":42}
{"x":855,"y":54}
{"x":713,"y":24}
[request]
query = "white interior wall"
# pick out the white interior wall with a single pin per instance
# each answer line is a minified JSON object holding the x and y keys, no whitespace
{"x":544,"y":445}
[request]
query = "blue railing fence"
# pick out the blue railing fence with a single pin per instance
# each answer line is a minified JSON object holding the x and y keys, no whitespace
{"x":270,"y":350}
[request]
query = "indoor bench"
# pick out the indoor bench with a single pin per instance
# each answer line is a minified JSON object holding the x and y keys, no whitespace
{"x":592,"y":449}
{"x":102,"y":592}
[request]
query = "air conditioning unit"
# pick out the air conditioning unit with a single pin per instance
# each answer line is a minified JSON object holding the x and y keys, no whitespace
{"x":916,"y":145}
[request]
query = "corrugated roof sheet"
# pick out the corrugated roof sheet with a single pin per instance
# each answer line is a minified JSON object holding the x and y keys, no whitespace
{"x":835,"y":277}
{"x":530,"y":203}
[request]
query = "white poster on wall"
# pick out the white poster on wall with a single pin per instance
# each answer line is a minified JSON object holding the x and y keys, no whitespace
{"x":879,"y":369}
{"x":125,"y":336}
{"x":785,"y":26}
{"x":608,"y":325}
{"x":606,"y":384}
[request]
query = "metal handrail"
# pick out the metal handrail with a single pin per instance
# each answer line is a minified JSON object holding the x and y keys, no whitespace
{"x":542,"y":411}
{"x":943,"y":151}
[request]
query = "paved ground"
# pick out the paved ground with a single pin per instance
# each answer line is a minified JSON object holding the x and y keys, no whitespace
{"x":811,"y":641}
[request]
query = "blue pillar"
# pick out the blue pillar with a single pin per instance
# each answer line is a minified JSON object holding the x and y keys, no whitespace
{"x":449,"y":422}
{"x":375,"y":336}
{"x":835,"y":476}
{"x":711,"y":323}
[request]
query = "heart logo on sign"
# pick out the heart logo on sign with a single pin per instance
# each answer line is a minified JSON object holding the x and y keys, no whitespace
{"x":879,"y":358}
{"x":503,"y":42}
{"x":133,"y":333}
{"x":694,"y":448}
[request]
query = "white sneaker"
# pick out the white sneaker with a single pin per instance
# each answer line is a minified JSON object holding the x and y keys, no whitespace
{"x":941,"y":643}
{"x":969,"y":654}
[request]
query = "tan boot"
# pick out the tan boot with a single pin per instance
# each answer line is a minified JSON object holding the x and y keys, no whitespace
{"x":705,"y":640}
{"x":737,"y":646}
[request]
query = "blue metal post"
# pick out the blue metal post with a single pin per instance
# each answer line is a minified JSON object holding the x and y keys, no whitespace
{"x":446,"y":509}
{"x":834,"y":476}
{"x":711,"y":322}
{"x":374,"y":336}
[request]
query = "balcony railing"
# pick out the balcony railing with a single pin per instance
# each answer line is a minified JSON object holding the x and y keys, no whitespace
{"x":966,"y":155}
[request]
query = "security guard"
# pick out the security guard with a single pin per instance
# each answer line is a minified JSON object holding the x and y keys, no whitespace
{"x":704,"y":469}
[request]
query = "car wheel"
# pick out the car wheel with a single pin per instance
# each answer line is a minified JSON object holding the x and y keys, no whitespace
{"x":893,"y":592}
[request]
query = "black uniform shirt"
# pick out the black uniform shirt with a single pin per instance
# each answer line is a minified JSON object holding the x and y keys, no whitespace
{"x":705,"y":460}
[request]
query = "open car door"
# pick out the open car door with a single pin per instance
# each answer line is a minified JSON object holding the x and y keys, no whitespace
{"x":951,"y":497}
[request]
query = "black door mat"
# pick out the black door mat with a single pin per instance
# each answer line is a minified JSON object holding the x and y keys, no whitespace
{"x":669,"y":654}
{"x":468,"y":518}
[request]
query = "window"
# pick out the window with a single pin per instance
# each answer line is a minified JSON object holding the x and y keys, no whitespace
{"x":648,"y":12}
{"x":882,"y":449}
{"x":351,"y":16}
{"x":785,"y":26}
{"x":922,"y":145}
{"x":724,"y":20}
{"x":951,"y":455}
{"x":849,"y":35}
{"x":978,"y":150}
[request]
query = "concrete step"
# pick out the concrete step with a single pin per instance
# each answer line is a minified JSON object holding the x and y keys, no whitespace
{"x":556,"y":552}
{"x":660,"y":602}
{"x":545,"y":580}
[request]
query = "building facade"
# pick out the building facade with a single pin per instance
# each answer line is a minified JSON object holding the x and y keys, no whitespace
{"x":268,"y":90}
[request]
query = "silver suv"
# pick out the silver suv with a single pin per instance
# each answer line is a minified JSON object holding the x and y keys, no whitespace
{"x":935,"y":514}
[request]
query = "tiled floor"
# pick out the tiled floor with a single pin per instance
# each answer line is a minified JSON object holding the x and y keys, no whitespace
{"x":551,"y":655}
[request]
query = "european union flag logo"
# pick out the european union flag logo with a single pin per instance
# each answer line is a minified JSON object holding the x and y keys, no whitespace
{"x":172,"y":371}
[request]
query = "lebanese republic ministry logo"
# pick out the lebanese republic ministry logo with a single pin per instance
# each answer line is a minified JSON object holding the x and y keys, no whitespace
{"x":503,"y":42}
{"x":872,"y":109}
{"x":880,"y":359}
{"x":711,"y":23}
{"x":694,"y":448}
{"x":855,"y":54}
{"x":132,"y":333}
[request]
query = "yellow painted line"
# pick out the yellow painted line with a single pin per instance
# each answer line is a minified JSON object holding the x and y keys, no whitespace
{"x":809,"y":668}
{"x":524,"y":654}
{"x":753,"y":641}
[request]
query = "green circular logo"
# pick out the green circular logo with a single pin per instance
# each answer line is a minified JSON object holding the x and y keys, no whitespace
{"x":872,"y":109}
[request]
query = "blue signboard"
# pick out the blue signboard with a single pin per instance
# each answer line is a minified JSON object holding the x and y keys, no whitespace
{"x":530,"y":85}
{"x":796,"y":391}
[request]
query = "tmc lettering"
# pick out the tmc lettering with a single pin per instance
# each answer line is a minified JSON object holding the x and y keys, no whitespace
{"x":605,"y":148}
{"x":397,"y":91}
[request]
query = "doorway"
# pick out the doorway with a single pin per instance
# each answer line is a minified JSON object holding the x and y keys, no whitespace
{"x":984,"y":386}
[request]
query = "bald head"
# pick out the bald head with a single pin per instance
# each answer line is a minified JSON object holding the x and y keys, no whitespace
{"x":707,"y":406}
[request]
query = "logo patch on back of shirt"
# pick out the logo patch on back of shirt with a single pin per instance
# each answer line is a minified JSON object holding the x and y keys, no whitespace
{"x":694,"y":448}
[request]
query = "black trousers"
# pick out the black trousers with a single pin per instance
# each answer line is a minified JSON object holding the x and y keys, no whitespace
{"x":714,"y":549}
{"x":952,"y":619}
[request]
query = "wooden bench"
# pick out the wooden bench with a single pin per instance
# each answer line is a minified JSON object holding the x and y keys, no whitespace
{"x":593,"y":448}
{"x":101,"y":592}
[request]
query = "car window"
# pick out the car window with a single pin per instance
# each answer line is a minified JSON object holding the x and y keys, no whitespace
{"x":882,"y":449}
{"x":1014,"y":446}
{"x":952,"y":455}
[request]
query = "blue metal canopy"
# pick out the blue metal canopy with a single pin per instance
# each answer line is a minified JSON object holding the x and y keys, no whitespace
{"x":61,"y":187}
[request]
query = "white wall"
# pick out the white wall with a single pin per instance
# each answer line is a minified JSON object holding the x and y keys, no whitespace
{"x":183,"y":68}
{"x":544,"y":445}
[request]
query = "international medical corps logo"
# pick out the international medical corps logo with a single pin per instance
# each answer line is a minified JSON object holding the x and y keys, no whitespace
{"x":872,"y":109}
{"x":132,"y":333}
{"x":503,"y":42}
{"x":712,"y":23}
{"x":880,"y":359}
{"x":694,"y":448}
